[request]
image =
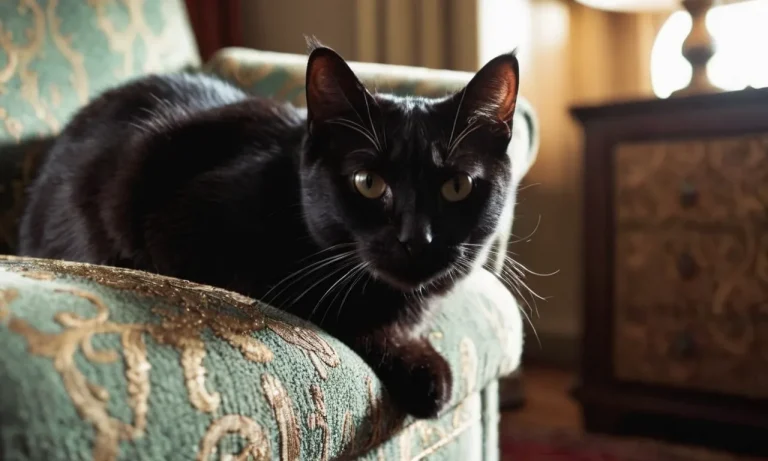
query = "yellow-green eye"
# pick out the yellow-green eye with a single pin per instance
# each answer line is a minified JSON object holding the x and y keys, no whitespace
{"x":457,"y":188}
{"x":369,"y":184}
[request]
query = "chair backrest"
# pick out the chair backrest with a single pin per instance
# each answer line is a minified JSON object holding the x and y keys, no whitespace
{"x":55,"y":55}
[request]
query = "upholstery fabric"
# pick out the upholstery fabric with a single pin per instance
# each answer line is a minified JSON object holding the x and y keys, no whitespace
{"x":56,"y":54}
{"x":103,"y":363}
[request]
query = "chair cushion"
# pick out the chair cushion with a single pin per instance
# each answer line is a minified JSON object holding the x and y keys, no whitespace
{"x":56,"y":54}
{"x":106,"y":363}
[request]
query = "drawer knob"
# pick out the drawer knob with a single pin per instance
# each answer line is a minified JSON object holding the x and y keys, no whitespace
{"x":689,"y":196}
{"x":684,"y":346}
{"x":686,"y":266}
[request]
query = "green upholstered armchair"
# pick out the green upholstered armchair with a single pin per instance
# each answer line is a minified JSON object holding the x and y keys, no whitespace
{"x":103,"y":363}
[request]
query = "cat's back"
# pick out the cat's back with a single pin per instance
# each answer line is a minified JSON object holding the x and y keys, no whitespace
{"x":139,"y":106}
{"x":108,"y":125}
{"x":70,"y":212}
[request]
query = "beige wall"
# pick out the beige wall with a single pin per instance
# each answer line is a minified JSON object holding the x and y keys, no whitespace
{"x":280,"y":25}
{"x":577,"y":56}
{"x":430,"y":33}
{"x":569,"y":55}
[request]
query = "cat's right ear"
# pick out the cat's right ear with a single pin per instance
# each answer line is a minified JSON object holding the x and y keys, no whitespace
{"x":490,"y":97}
{"x":332,"y":89}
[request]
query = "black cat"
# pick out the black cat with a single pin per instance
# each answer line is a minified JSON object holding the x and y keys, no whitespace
{"x":353,"y":214}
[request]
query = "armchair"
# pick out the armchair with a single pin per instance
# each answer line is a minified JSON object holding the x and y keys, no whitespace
{"x":104,"y":363}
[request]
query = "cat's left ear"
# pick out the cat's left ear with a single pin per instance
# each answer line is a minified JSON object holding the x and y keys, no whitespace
{"x":332,"y":88}
{"x":491,"y":96}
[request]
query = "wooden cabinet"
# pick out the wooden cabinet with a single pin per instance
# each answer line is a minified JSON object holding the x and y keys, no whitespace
{"x":676,"y":261}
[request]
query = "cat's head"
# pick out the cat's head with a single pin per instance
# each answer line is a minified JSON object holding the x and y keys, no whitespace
{"x":416,"y":184}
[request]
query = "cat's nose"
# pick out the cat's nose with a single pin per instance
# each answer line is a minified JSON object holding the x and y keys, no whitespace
{"x":415,"y":237}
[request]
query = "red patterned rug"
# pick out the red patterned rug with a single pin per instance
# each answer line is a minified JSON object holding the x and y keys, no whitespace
{"x":557,"y":445}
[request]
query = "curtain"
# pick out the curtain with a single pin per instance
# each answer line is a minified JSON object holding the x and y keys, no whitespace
{"x":216,"y":24}
{"x":439,"y":34}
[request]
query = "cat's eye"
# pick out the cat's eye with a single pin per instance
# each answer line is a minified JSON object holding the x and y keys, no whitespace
{"x":369,"y":184}
{"x":457,"y":188}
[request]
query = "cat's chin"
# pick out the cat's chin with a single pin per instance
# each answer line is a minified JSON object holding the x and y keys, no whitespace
{"x":440,"y":282}
{"x":394,"y":282}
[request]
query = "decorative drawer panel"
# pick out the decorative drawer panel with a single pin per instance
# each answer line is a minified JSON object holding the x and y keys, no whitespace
{"x":691,"y":308}
{"x":704,"y":180}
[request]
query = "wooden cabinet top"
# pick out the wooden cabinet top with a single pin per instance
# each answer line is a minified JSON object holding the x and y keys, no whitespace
{"x":752,"y":100}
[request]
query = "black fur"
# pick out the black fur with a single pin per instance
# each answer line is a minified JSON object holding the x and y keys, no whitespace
{"x":189,"y":177}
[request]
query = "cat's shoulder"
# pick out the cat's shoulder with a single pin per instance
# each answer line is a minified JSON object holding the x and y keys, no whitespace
{"x":182,"y":81}
{"x":198,"y":85}
{"x":180,"y":87}
{"x":154,"y":95}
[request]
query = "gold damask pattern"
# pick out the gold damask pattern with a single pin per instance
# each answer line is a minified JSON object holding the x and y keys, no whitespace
{"x":281,"y":404}
{"x":729,"y":177}
{"x":691,"y":264}
{"x":56,"y":54}
{"x":181,"y":330}
{"x":258,"y":447}
{"x":6,"y":297}
{"x":172,"y":47}
{"x":200,"y":307}
{"x":319,"y":420}
{"x":196,"y":303}
{"x":89,"y":398}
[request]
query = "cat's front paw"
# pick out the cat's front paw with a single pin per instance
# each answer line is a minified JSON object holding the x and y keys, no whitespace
{"x":421,"y":387}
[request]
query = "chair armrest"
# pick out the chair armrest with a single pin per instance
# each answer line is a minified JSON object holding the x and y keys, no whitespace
{"x":100,"y":362}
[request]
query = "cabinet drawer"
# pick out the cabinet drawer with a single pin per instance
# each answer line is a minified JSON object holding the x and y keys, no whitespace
{"x":691,"y":308}
{"x":702,"y":180}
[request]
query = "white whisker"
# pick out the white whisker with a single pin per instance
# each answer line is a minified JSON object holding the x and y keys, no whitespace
{"x":303,"y":273}
{"x":520,"y":267}
{"x":370,"y":119}
{"x":524,"y":285}
{"x":365,"y":285}
{"x":332,"y":247}
{"x":521,"y":187}
{"x":329,"y":290}
{"x":356,"y":127}
{"x":345,"y":265}
{"x":456,"y":117}
{"x":355,"y":276}
{"x":523,"y":239}
{"x":515,"y":283}
{"x":467,"y":131}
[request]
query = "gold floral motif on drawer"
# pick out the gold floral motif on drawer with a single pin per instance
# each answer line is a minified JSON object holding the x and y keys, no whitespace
{"x":691,"y":264}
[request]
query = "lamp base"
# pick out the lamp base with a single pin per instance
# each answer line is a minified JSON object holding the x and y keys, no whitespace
{"x":698,"y":49}
{"x":694,"y":89}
